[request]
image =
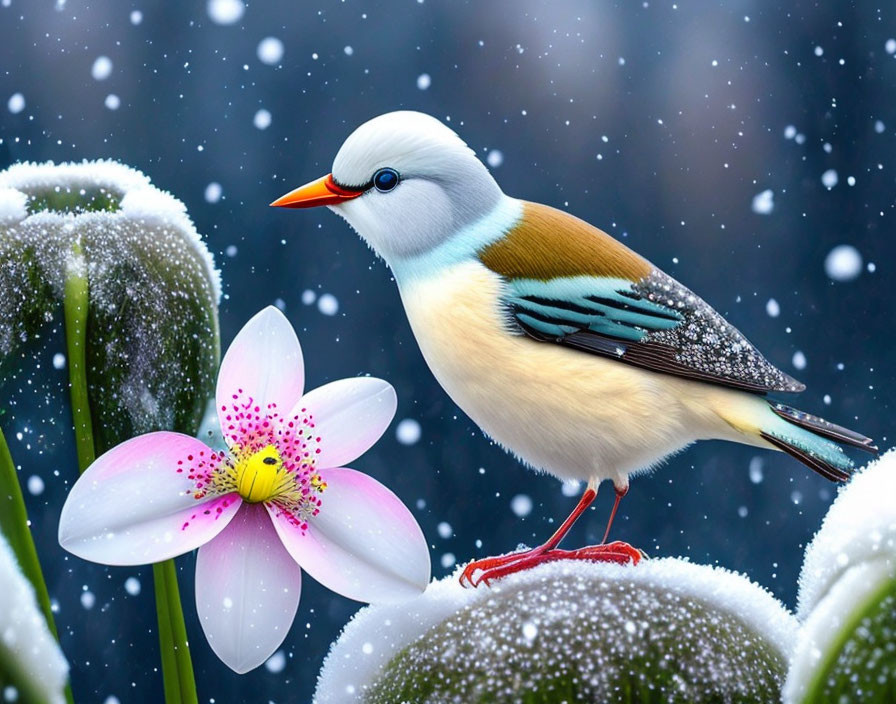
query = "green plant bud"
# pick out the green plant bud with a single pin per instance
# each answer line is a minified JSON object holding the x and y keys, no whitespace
{"x":152,"y":340}
{"x":32,"y":668}
{"x":846,"y":648}
{"x":662,"y":631}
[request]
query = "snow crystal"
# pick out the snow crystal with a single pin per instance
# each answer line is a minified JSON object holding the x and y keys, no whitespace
{"x":102,"y":68}
{"x":860,"y":525}
{"x":494,"y":158}
{"x":58,"y":361}
{"x":35,"y":485}
{"x":764,"y":203}
{"x":843,"y":263}
{"x":756,"y":474}
{"x":654,"y":593}
{"x":772,"y":308}
{"x":570,"y":487}
{"x":262,"y":119}
{"x":88,"y":599}
{"x":829,"y":179}
{"x":213,"y":192}
{"x":799,"y":360}
{"x":890,"y":46}
{"x":521,"y":505}
{"x":276,"y":663}
{"x":16,"y":103}
{"x":13,"y":205}
{"x":328,"y":304}
{"x":132,"y":586}
{"x":136,"y":17}
{"x":445,"y":530}
{"x":424,"y":81}
{"x":112,"y":102}
{"x":270,"y":51}
{"x":26,"y":641}
{"x":408,"y":431}
{"x":226,"y":11}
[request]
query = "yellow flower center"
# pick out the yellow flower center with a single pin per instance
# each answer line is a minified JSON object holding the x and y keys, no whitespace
{"x":262,"y":477}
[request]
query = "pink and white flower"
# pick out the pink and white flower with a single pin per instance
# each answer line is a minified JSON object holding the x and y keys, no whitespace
{"x":278,"y":498}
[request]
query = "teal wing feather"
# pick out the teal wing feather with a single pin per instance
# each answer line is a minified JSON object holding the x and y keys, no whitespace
{"x":656,"y":323}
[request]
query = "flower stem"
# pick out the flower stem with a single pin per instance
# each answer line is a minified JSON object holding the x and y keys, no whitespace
{"x":177,"y":668}
{"x":14,"y":526}
{"x":75,"y":305}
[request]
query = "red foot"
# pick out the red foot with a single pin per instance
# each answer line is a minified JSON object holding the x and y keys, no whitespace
{"x":493,"y":568}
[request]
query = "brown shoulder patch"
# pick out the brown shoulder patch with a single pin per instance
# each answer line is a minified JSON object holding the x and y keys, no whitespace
{"x":548,"y":243}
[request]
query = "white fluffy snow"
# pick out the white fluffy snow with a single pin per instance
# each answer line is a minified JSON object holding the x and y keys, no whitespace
{"x":328,"y":304}
{"x":424,"y":81}
{"x":829,"y":179}
{"x":385,"y":629}
{"x":860,"y":527}
{"x":772,"y":308}
{"x":35,"y":485}
{"x":262,"y":119}
{"x":102,"y":68}
{"x":213,"y":192}
{"x":24,"y":635}
{"x":494,"y":158}
{"x":843,"y":263}
{"x":764,"y":203}
{"x":132,"y":586}
{"x":112,"y":102}
{"x":270,"y":51}
{"x":225,"y":11}
{"x":408,"y":431}
{"x":16,"y":103}
{"x":521,"y":505}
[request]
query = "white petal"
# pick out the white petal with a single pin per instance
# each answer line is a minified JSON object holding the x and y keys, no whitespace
{"x":247,"y":590}
{"x":133,"y":507}
{"x":364,"y":543}
{"x":263,"y":363}
{"x":349,"y":415}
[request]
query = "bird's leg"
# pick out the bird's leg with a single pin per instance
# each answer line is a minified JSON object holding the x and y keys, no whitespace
{"x":619,"y":494}
{"x":489,"y":563}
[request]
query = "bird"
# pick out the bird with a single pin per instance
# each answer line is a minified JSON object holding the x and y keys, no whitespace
{"x":567,"y":348}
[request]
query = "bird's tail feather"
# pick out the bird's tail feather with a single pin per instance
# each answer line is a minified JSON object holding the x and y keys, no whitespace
{"x":814,"y":441}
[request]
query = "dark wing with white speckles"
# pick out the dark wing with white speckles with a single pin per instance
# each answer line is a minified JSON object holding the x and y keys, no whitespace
{"x":655,"y":323}
{"x":572,"y":284}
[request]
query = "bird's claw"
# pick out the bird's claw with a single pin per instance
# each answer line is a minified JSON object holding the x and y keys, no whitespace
{"x":488,"y":570}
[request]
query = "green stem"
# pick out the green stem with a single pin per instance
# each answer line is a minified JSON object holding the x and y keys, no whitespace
{"x":75,"y":305}
{"x":177,"y":668}
{"x":14,"y":525}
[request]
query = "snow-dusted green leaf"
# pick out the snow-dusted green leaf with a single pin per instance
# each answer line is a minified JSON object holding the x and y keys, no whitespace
{"x":664,"y":631}
{"x":152,"y":326}
{"x":32,"y":668}
{"x":847,"y":645}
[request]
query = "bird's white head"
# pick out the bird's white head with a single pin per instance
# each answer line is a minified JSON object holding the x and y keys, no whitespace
{"x":405,"y":182}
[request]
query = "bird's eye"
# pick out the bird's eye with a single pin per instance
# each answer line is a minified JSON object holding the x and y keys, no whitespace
{"x":385,"y":180}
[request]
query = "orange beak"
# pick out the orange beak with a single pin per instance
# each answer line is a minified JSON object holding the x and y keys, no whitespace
{"x":323,"y":191}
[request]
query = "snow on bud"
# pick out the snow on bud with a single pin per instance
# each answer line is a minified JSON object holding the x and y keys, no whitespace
{"x":569,"y":631}
{"x":152,"y":316}
{"x":847,"y":596}
{"x":31,"y":664}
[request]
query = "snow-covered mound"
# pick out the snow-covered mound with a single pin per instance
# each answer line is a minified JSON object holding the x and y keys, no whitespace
{"x":28,"y":652}
{"x":859,"y":527}
{"x":152,"y":288}
{"x":847,"y":599}
{"x":682,"y":631}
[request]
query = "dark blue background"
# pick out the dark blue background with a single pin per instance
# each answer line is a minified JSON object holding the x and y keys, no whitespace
{"x":689,"y":144}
